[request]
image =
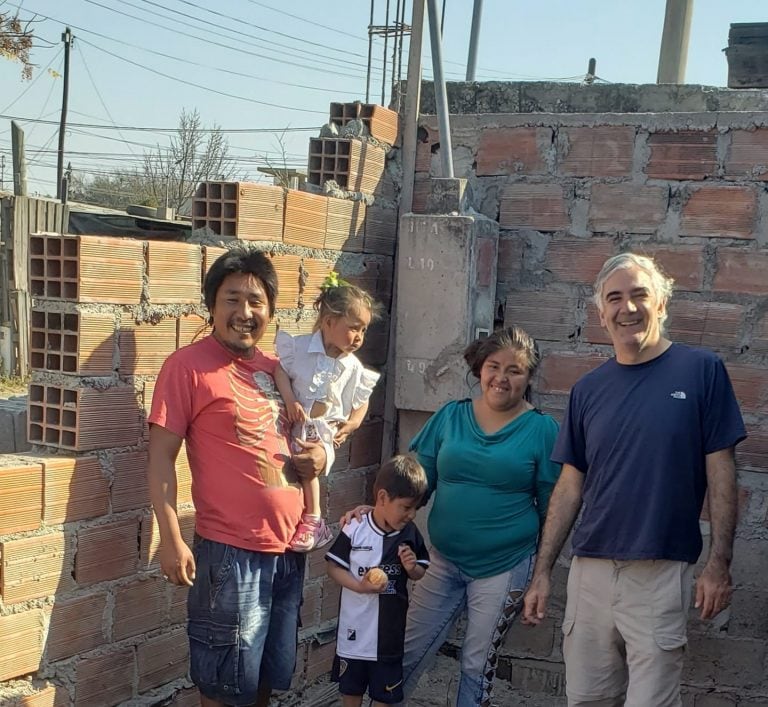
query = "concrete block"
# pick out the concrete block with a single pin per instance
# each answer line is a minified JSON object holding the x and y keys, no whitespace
{"x":105,"y":679}
{"x":77,"y":625}
{"x":81,"y":343}
{"x":750,"y":383}
{"x":512,"y":151}
{"x":547,"y":316}
{"x":683,"y":154}
{"x":13,"y":425}
{"x":724,"y":662}
{"x":84,"y":418}
{"x":173,"y":273}
{"x":748,"y":154}
{"x":139,"y":607}
{"x":35,"y":567}
{"x":107,"y":551}
{"x":162,"y":659}
{"x":720,"y":212}
{"x":600,"y":151}
{"x":305,"y":219}
{"x":445,"y":263}
{"x":712,"y":324}
{"x":577,"y":260}
{"x":685,"y":264}
{"x":22,"y":638}
{"x":21,"y":501}
{"x":538,"y":207}
{"x":627,"y":208}
{"x":558,"y":372}
{"x":447,"y":195}
{"x":741,"y":271}
{"x":86,"y":268}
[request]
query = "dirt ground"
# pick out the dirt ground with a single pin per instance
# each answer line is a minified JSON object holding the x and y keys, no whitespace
{"x":438,"y":689}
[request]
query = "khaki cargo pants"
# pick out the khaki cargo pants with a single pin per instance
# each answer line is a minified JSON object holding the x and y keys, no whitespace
{"x":624,"y":632}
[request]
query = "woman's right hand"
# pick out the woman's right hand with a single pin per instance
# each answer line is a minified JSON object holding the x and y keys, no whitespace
{"x":355,"y":514}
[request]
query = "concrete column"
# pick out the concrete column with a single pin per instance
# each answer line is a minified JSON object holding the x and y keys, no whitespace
{"x":673,"y":55}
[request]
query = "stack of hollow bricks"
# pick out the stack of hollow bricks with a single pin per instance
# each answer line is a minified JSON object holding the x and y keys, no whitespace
{"x":690,"y":190}
{"x":85,"y":617}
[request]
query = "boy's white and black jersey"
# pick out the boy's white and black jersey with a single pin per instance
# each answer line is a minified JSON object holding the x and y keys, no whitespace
{"x":372,"y":626}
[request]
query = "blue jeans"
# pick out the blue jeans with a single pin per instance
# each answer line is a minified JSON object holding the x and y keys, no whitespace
{"x":243,"y":612}
{"x":437,"y":601}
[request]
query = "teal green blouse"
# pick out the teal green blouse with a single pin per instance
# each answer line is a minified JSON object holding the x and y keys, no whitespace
{"x":490,"y":490}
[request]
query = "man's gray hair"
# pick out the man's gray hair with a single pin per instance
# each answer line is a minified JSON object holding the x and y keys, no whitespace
{"x":662,"y":285}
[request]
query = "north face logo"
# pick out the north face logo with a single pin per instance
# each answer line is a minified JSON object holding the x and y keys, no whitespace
{"x":351,"y":634}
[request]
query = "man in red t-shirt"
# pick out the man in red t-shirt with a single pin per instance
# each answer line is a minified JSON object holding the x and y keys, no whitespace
{"x":218,"y":395}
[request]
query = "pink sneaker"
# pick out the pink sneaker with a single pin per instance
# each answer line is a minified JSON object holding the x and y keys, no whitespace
{"x":311,"y":534}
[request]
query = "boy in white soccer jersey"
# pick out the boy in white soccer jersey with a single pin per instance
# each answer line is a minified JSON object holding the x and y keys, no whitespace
{"x":373,"y":559}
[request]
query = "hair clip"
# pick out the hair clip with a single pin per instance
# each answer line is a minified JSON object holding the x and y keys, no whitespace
{"x":332,"y":280}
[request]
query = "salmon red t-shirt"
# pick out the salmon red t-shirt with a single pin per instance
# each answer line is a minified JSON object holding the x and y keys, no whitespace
{"x":233,"y":420}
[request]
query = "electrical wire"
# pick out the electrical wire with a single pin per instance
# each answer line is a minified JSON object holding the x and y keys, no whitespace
{"x":229,"y":46}
{"x":33,"y":82}
{"x":136,"y":128}
{"x":203,"y":88}
{"x":240,"y":20}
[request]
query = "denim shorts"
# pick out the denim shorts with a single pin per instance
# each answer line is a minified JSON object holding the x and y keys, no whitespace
{"x":243,"y":612}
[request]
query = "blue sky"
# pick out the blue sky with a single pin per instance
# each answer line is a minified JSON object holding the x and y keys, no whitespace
{"x":270,"y":65}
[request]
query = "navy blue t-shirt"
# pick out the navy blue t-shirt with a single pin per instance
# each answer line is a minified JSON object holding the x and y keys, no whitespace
{"x":640,"y":434}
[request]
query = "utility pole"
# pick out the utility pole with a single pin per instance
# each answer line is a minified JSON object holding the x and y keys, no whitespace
{"x":19,"y":161}
{"x":673,"y":55}
{"x":474,"y":36}
{"x":2,"y":172}
{"x":66,"y":37}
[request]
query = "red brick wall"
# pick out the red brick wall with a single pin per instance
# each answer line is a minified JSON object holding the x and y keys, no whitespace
{"x":570,"y":190}
{"x":85,"y":617}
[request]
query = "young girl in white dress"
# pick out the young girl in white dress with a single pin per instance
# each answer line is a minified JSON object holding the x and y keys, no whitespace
{"x":325,"y":387}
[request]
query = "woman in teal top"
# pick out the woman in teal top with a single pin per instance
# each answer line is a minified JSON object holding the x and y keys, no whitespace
{"x":487,"y":461}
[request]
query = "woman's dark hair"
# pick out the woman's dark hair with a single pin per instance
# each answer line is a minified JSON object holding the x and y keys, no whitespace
{"x":241,"y":259}
{"x":341,"y":301}
{"x":401,"y":477}
{"x":508,"y":338}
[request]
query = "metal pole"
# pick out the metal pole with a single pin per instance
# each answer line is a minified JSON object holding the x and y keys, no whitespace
{"x":673,"y":55}
{"x":394,"y":54}
{"x":370,"y":49}
{"x":411,"y":110}
{"x":19,"y":161}
{"x":441,"y":96}
{"x":384,"y":62}
{"x":67,"y":39}
{"x":477,"y":12}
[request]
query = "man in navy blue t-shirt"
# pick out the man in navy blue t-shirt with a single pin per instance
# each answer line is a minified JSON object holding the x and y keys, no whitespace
{"x":645,"y":435}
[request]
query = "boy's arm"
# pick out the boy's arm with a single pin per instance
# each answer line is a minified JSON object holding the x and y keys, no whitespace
{"x":413,"y":569}
{"x":416,"y":573}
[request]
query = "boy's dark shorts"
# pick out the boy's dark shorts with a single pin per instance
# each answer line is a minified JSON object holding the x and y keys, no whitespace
{"x":383,"y":679}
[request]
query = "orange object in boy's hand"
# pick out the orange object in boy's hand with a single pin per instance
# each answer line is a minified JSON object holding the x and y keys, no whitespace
{"x":377,"y":578}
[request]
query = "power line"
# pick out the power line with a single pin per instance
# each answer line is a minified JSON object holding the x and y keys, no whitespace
{"x":136,"y":128}
{"x":34,"y":81}
{"x":229,"y":46}
{"x":202,"y":88}
{"x":311,"y":22}
{"x":240,"y":20}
